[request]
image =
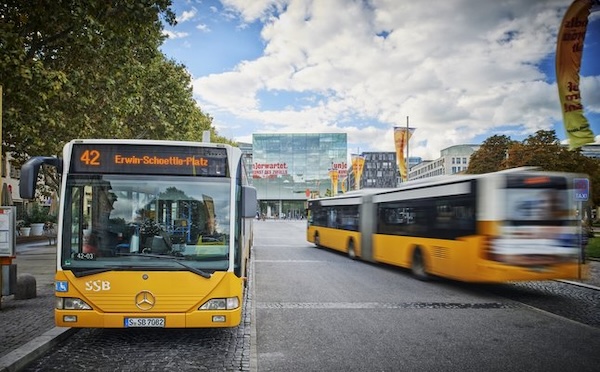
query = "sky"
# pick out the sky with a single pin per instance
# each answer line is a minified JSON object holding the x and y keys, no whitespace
{"x":458,"y":71}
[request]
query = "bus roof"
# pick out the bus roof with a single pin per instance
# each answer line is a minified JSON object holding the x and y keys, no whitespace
{"x":358,"y":195}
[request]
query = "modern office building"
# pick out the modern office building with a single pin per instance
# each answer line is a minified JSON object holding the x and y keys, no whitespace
{"x":414,"y":160}
{"x":591,"y":150}
{"x":287,"y":169}
{"x":246,"y":156}
{"x":379,"y":171}
{"x":453,"y":160}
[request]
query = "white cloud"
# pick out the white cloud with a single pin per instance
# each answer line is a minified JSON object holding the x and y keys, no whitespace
{"x":203,"y":27}
{"x":255,"y":9}
{"x":590,"y":93}
{"x":457,"y":68}
{"x":187,"y":15}
{"x":175,"y":35}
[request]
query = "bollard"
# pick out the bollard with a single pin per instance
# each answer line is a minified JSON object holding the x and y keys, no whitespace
{"x":26,"y":287}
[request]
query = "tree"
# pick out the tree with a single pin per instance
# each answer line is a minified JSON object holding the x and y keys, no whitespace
{"x":91,"y":69}
{"x":491,"y":155}
{"x":543,"y":150}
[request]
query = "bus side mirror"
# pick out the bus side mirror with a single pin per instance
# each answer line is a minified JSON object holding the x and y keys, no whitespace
{"x":29,"y":174}
{"x":249,"y":202}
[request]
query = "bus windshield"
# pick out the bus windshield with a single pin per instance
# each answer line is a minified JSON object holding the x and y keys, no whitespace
{"x":146,"y":222}
{"x":541,"y":226}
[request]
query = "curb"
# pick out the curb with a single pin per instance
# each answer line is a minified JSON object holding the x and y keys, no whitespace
{"x":579,"y":284}
{"x":30,"y":239}
{"x":20,"y":357}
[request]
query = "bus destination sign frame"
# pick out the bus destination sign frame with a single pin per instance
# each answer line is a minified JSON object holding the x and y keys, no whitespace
{"x":146,"y":159}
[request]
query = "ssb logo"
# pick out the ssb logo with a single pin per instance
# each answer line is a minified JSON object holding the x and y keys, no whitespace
{"x":97,"y":285}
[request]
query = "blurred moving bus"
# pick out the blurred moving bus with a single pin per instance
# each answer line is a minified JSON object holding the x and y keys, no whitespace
{"x":512,"y":225}
{"x":150,"y":233}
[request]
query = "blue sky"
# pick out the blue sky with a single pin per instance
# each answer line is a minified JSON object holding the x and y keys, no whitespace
{"x":460,"y":70}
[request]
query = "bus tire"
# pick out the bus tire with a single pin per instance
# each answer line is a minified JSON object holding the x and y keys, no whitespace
{"x":317,"y":242}
{"x":418,"y":266}
{"x":351,"y":250}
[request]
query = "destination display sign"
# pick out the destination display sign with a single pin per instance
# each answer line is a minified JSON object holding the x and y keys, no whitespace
{"x":149,"y":159}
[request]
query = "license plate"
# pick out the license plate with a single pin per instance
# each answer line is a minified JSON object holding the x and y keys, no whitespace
{"x":144,"y":322}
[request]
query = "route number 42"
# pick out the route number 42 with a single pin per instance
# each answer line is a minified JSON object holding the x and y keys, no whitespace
{"x":90,"y":157}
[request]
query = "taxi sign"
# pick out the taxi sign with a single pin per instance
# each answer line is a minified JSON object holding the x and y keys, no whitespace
{"x":581,"y":187}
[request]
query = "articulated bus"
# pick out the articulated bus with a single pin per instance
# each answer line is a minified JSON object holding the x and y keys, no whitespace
{"x":150,"y":233}
{"x":514,"y":225}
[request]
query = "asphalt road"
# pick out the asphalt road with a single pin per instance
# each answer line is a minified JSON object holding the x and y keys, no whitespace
{"x":311,"y":309}
{"x":316,"y":310}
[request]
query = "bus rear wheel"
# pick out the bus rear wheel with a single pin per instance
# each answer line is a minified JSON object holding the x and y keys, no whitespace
{"x":317,"y":241}
{"x":418,"y":267}
{"x":351,"y":250}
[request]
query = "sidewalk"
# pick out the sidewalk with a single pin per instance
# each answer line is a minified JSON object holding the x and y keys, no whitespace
{"x":27,"y":326}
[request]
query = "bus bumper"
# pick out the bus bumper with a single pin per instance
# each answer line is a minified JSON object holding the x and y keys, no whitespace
{"x":197,"y":319}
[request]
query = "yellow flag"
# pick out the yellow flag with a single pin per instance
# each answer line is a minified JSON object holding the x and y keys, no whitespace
{"x":401,"y":137}
{"x":569,"y":49}
{"x":358,"y":162}
{"x":333,"y":175}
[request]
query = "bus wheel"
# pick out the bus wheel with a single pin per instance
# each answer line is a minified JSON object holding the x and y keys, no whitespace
{"x":317,"y":242}
{"x":351,"y":250}
{"x":418,"y":265}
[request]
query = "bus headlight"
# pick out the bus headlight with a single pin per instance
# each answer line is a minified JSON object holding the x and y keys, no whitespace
{"x":228,"y":303}
{"x":71,"y":303}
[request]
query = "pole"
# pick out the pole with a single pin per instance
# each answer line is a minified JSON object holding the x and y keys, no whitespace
{"x":407,"y":142}
{"x":580,"y":231}
{"x":1,"y":266}
{"x":1,"y":143}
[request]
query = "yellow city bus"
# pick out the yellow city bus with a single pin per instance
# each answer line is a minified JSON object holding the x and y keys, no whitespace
{"x":150,"y":233}
{"x":513,"y":225}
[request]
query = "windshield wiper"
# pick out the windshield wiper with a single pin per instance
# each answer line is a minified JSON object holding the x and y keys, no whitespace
{"x":202,"y":273}
{"x":193,"y":269}
{"x":88,"y":272}
{"x":203,"y":257}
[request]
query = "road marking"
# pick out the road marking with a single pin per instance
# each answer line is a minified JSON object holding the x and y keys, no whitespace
{"x":275,"y":245}
{"x":388,"y":305}
{"x":288,"y":261}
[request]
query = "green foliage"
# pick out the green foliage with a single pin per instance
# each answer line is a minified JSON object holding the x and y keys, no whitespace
{"x":38,"y":214}
{"x":542,"y":149}
{"x":91,"y":69}
{"x":491,"y":155}
{"x":593,"y":248}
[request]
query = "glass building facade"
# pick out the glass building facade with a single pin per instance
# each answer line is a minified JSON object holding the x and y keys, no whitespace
{"x":287,"y":169}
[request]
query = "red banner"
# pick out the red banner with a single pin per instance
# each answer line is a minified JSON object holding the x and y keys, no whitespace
{"x":269,"y":170}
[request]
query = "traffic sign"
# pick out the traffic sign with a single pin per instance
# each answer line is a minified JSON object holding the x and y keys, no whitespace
{"x":582,"y":189}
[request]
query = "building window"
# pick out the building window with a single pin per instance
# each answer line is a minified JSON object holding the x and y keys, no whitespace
{"x":15,"y":172}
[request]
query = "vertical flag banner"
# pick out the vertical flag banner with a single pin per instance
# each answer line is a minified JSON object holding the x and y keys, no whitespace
{"x":343,"y":184}
{"x":401,"y":137}
{"x":333,"y":175}
{"x":569,"y":49}
{"x":358,"y":162}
